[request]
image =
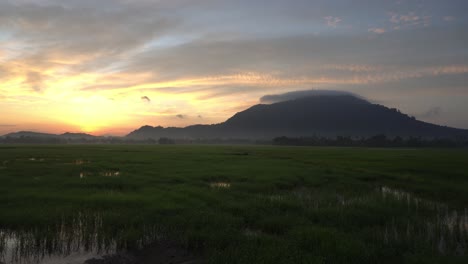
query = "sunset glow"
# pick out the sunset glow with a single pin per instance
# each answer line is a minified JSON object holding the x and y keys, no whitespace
{"x":109,"y":67}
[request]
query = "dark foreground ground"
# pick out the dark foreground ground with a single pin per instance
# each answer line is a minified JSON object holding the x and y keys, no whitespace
{"x":233,"y":204}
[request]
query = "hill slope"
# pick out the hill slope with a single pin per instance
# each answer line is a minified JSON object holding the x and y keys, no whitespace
{"x":324,"y":115}
{"x":67,"y":135}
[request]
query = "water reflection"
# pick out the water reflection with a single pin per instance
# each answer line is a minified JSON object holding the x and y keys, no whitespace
{"x":36,"y":159}
{"x":74,"y":240}
{"x":80,"y":162}
{"x":220,"y":185}
{"x":410,"y":221}
{"x":113,"y":173}
{"x":110,"y":173}
{"x":71,"y":241}
{"x":416,"y":223}
{"x":446,"y":229}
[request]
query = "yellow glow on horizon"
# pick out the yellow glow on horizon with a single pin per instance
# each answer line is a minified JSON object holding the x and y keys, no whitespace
{"x":63,"y":97}
{"x":93,"y":102}
{"x":91,"y":114}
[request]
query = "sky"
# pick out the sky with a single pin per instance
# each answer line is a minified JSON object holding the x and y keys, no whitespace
{"x":108,"y":67}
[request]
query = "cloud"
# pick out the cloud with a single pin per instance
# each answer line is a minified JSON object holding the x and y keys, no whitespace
{"x":271,"y":56}
{"x":377,"y":30}
{"x":172,"y":51}
{"x":300,"y":94}
{"x":449,"y":18}
{"x":34,"y":81}
{"x":333,"y":21}
{"x":358,"y":68}
{"x":43,"y":42}
{"x":410,"y":19}
{"x":180,"y":116}
{"x":432,"y":112}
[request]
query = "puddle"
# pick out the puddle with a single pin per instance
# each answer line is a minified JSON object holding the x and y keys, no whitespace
{"x":75,"y":257}
{"x":446,"y":230}
{"x":252,"y":233}
{"x":81,"y":239}
{"x":71,"y":242}
{"x":35,"y":159}
{"x":220,"y":185}
{"x":77,"y":162}
{"x":84,"y":174}
{"x":416,"y":221}
{"x":276,"y":198}
{"x":80,"y":162}
{"x":112,"y":173}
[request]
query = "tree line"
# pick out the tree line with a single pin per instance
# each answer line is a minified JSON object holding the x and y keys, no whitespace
{"x":374,"y":141}
{"x":340,"y":141}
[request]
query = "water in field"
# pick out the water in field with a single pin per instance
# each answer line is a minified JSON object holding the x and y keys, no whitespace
{"x":17,"y":251}
{"x":69,"y":242}
{"x":447,"y":231}
{"x":36,"y":159}
{"x":80,"y":162}
{"x":416,"y":221}
{"x":110,"y":173}
{"x":107,"y":173}
{"x":74,"y":241}
{"x":220,"y":185}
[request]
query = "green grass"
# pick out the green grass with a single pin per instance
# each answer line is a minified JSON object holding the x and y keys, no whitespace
{"x":271,"y":204}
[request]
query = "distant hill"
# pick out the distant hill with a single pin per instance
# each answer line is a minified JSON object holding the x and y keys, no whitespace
{"x":29,"y":134}
{"x":29,"y":137}
{"x":67,"y":135}
{"x":322,"y":115}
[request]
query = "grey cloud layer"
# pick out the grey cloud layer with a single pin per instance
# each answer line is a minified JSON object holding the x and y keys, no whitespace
{"x":300,"y":94}
{"x":108,"y":34}
{"x":94,"y":38}
{"x":417,"y":50}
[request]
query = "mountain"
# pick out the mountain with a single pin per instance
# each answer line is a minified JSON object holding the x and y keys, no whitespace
{"x":66,"y":135}
{"x":69,"y":135}
{"x":29,"y":134}
{"x":320,"y":115}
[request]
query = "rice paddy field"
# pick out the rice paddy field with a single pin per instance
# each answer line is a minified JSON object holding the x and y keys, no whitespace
{"x":232,"y":204}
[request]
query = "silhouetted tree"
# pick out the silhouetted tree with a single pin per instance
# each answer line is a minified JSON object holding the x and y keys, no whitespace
{"x":166,"y":141}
